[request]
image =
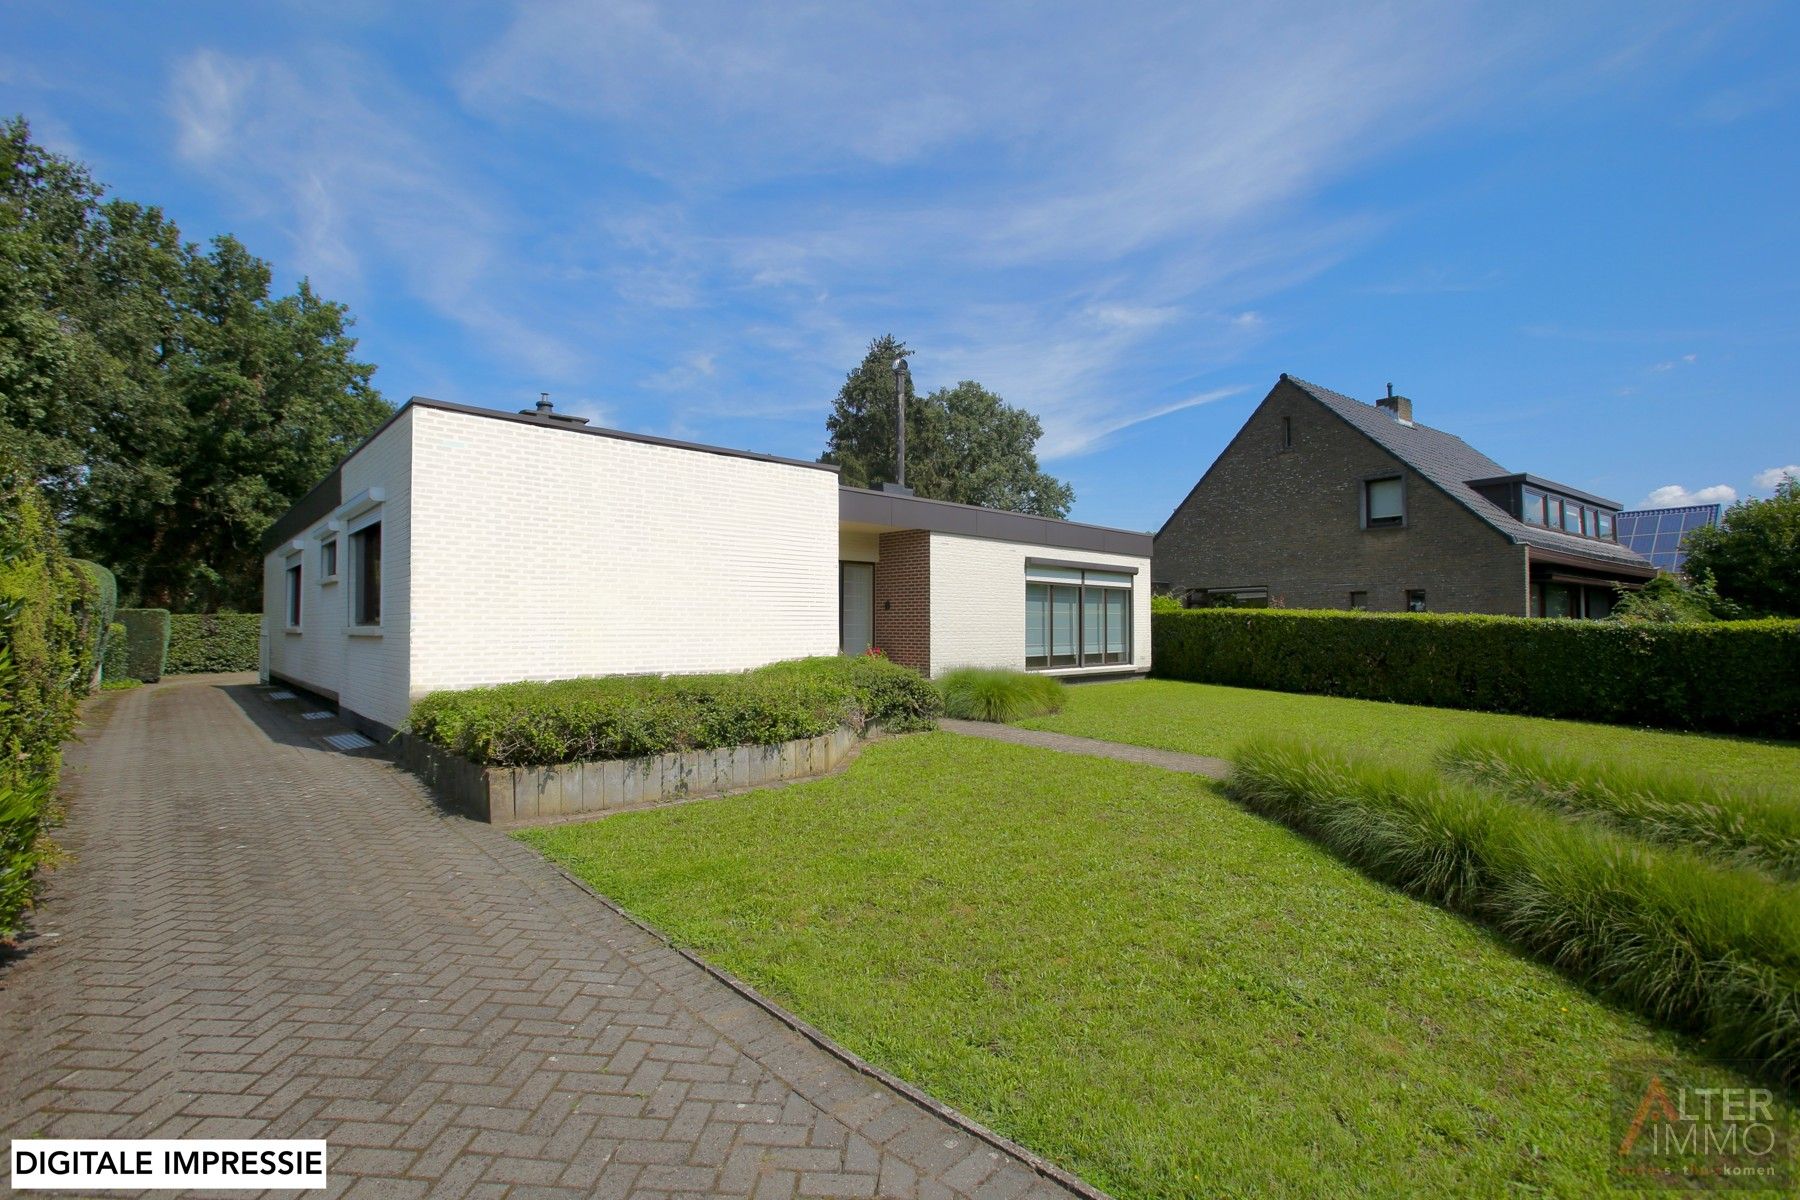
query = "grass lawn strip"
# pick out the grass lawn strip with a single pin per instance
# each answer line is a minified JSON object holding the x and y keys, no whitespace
{"x":1123,"y":971}
{"x":1203,"y":718}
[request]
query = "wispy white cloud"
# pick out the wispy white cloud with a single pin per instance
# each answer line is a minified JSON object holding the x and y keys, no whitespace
{"x":1673,"y":495}
{"x":1045,"y":200}
{"x":1769,"y":479}
{"x":1686,"y":360}
{"x":1117,"y":184}
{"x":356,"y":172}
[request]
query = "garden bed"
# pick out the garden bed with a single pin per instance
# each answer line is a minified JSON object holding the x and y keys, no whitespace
{"x":526,"y":752}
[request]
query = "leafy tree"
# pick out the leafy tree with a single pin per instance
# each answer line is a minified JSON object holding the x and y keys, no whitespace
{"x":170,"y":405}
{"x":963,"y":443}
{"x":1753,"y":555}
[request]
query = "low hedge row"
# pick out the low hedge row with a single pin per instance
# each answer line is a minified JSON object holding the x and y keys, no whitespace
{"x":1739,"y":827}
{"x":213,"y":642}
{"x":629,"y":716}
{"x":1732,"y":676}
{"x":1685,"y":941}
{"x":146,"y":642}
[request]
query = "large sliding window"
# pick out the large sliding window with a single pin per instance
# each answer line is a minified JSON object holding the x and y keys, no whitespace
{"x":1075,"y":617}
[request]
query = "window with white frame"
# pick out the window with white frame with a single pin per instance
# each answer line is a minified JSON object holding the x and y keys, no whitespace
{"x":293,"y":593}
{"x":328,"y":553}
{"x":365,"y":575}
{"x":1076,"y":617}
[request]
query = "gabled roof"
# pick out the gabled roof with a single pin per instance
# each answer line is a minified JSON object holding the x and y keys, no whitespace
{"x":1451,"y":464}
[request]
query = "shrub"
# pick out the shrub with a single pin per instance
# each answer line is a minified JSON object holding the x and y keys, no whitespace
{"x":1734,"y":676}
{"x":117,"y":667}
{"x":996,"y":694}
{"x":213,"y":642}
{"x":1751,"y":829}
{"x":146,"y":642}
{"x":46,"y":666}
{"x":627,"y":716}
{"x":1685,"y":941}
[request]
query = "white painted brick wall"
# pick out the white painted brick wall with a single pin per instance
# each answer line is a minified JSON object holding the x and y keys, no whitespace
{"x":367,"y":673}
{"x":545,"y":554}
{"x":978,"y":601}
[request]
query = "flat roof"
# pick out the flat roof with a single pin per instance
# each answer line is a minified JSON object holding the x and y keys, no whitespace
{"x":865,"y":506}
{"x":326,"y":495}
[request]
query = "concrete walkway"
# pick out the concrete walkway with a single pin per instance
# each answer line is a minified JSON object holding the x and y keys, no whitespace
{"x":262,"y":935}
{"x":1168,"y":760}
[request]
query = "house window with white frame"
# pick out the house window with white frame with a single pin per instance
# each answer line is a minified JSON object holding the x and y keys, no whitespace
{"x":365,"y":575}
{"x":328,"y":561}
{"x":292,"y":609}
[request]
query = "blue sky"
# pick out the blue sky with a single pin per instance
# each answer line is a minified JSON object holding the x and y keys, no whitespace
{"x":1568,"y":232}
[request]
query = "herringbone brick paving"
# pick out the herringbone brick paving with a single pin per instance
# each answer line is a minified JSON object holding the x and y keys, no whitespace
{"x":259,"y":936}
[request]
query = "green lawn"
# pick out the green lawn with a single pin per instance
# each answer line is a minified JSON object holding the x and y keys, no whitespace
{"x":1122,"y":970}
{"x":1204,"y":719}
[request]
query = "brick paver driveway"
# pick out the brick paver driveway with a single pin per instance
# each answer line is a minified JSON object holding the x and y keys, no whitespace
{"x":259,"y":935}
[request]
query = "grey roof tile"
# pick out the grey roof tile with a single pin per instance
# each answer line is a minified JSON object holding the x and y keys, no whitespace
{"x":1450,"y":463}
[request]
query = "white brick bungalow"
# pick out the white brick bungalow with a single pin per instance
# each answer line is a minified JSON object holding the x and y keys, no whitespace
{"x":463,"y":546}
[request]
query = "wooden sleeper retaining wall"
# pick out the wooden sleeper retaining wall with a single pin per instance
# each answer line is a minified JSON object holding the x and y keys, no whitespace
{"x":518,"y":795}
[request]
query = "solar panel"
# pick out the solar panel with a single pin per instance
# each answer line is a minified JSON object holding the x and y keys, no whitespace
{"x":1658,"y":533}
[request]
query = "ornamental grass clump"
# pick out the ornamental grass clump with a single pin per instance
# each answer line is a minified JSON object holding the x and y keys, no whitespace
{"x":1684,"y":940}
{"x":995,"y":694}
{"x":1740,"y":827}
{"x":627,"y":716}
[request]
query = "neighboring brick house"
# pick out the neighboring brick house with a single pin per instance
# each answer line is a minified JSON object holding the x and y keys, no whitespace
{"x":461,"y":546}
{"x":1322,"y":501}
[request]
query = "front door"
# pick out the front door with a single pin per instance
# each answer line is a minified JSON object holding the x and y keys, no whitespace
{"x":856,"y":606}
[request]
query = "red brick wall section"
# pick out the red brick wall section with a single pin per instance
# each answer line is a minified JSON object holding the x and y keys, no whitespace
{"x":903,"y":598}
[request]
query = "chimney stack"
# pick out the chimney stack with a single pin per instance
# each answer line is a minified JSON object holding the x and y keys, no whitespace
{"x":1397,"y":407}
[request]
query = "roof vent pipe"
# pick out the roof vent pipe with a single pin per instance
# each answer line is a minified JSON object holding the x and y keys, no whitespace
{"x":902,"y":383}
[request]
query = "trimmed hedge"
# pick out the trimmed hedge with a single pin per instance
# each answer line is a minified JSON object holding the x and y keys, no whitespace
{"x":97,"y":616}
{"x":46,"y":666}
{"x":1683,"y":940}
{"x":213,"y":642}
{"x":118,"y":655}
{"x":1732,"y":676}
{"x":146,"y":642}
{"x":630,"y":716}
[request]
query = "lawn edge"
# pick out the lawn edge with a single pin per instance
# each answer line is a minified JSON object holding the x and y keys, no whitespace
{"x":1038,"y":1164}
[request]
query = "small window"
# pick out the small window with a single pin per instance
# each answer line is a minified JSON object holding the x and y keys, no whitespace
{"x":1531,"y":508}
{"x":1603,"y":524}
{"x":1553,"y":512}
{"x":1287,"y":433}
{"x":365,"y":561}
{"x":1571,"y":518}
{"x":1383,"y":502}
{"x":328,"y":561}
{"x":293,"y":596}
{"x":1415,"y":600}
{"x":1359,"y":599}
